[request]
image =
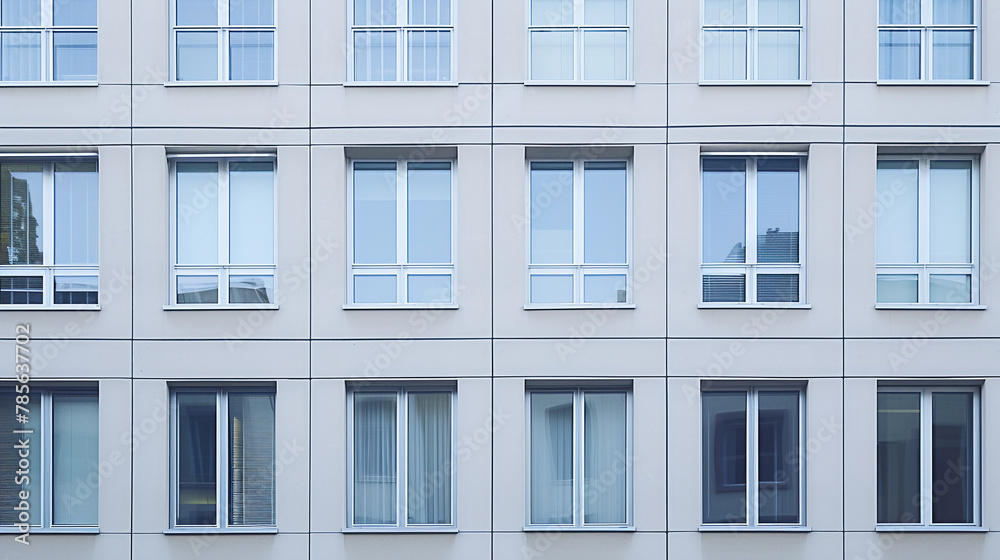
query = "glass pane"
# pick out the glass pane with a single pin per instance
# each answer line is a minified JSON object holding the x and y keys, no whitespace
{"x":952,"y":460}
{"x":778,"y":12}
{"x":778,"y":55}
{"x":251,"y":213}
{"x":724,"y":288}
{"x":551,"y":458}
{"x":897,"y":222}
{"x":197,"y":471}
{"x":724,"y":457}
{"x":197,"y":289}
{"x":725,"y":55}
{"x":18,"y":13}
{"x":778,"y":211}
{"x":197,"y":213}
{"x":952,"y":55}
{"x":374,"y":213}
{"x":551,"y":12}
{"x":899,"y":11}
{"x":725,"y":12}
{"x":604,"y":213}
{"x":374,"y":289}
{"x":950,"y":288}
{"x":74,"y":56}
{"x":197,"y":12}
{"x":20,"y":57}
{"x":955,"y":12}
{"x":552,"y":55}
{"x":374,"y":458}
{"x":898,"y":457}
{"x":430,"y":56}
{"x":951,"y":212}
{"x":428,"y":459}
{"x":251,"y":459}
{"x":251,"y":12}
{"x":724,"y":200}
{"x":605,"y":55}
{"x":605,"y":12}
{"x":76,"y":233}
{"x":604,"y":288}
{"x":375,"y":12}
{"x":428,"y":213}
{"x":79,"y":13}
{"x":80,"y":290}
{"x":198,"y":55}
{"x":551,"y":288}
{"x":9,"y":490}
{"x":896,"y":288}
{"x":21,"y":206}
{"x":251,"y":55}
{"x":551,"y":213}
{"x":430,"y":12}
{"x":778,"y":457}
{"x":251,"y":289}
{"x":899,"y":55}
{"x":427,"y":288}
{"x":777,"y":288}
{"x":605,"y":463}
{"x":374,"y":56}
{"x":20,"y":290}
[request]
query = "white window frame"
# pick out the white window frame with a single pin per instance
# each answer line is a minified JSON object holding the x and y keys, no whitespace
{"x":402,"y":29}
{"x":223,"y":270}
{"x":48,"y":270}
{"x":221,"y":461}
{"x":751,"y":269}
{"x":402,"y":433}
{"x":924,"y":268}
{"x":578,"y":268}
{"x":223,"y":29}
{"x":752,"y":453}
{"x":578,"y":459}
{"x":47,"y":49}
{"x":926,"y":457}
{"x":578,"y":27}
{"x":401,"y":269}
{"x":926,"y":27}
{"x":752,"y":28}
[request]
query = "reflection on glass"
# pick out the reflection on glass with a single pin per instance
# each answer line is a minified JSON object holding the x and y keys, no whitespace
{"x":197,"y":471}
{"x":724,"y":457}
{"x":551,"y":458}
{"x":898,"y":457}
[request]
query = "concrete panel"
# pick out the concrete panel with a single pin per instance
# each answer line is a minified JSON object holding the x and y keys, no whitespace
{"x":579,"y":357}
{"x":754,"y":358}
{"x":220,"y":359}
{"x":400,"y":358}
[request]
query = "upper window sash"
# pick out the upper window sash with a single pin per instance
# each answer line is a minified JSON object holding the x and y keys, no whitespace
{"x":401,"y":41}
{"x":48,"y":40}
{"x":929,"y":40}
{"x":239,"y":35}
{"x":579,"y":40}
{"x":755,"y":40}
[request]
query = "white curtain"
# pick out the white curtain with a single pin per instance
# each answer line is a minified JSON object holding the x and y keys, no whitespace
{"x":74,"y":459}
{"x":374,"y":458}
{"x":251,"y":449}
{"x":552,"y":458}
{"x":428,"y":460}
{"x":605,"y":460}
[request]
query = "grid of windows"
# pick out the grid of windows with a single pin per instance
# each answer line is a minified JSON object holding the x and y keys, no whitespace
{"x":42,"y":40}
{"x":221,"y":40}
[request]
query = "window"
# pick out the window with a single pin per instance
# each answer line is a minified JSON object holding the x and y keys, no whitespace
{"x":48,"y":228}
{"x":751,"y":457}
{"x":752,"y":213}
{"x":580,"y":234}
{"x":582,"y":40}
{"x":223,"y":231}
{"x":220,"y":40}
{"x":579,"y":455}
{"x":928,"y":230}
{"x":61,"y":446}
{"x":402,"y":40}
{"x":928,"y":39}
{"x":222,"y":458}
{"x":401,"y":451}
{"x":42,"y":40}
{"x":928,"y":456}
{"x":403,"y":233}
{"x":752,"y":40}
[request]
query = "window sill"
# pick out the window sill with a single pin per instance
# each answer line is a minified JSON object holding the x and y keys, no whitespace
{"x":218,"y":531}
{"x":929,"y":529}
{"x":754,"y":306}
{"x":399,"y":530}
{"x":932,"y":83}
{"x":591,"y":83}
{"x":755,"y":529}
{"x":930,"y":306}
{"x":586,"y":529}
{"x":62,"y":307}
{"x":564,"y":306}
{"x":214,"y":307}
{"x":223,"y":83}
{"x":49,"y":83}
{"x":755,"y":83}
{"x":397,"y":306}
{"x":401,"y":84}
{"x":8,"y":530}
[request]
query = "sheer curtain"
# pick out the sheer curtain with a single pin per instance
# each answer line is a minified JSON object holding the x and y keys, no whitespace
{"x":74,"y":458}
{"x":552,"y":458}
{"x":605,"y":462}
{"x":374,"y":458}
{"x":428,"y":460}
{"x":251,"y":449}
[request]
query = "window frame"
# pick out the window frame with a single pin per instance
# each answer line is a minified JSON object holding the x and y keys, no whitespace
{"x":750,"y":234}
{"x":578,"y":27}
{"x":579,"y":453}
{"x":402,"y":269}
{"x":924,"y":268}
{"x":222,"y":30}
{"x":752,"y":29}
{"x":926,"y":458}
{"x":578,"y":268}
{"x":47,"y":29}
{"x":222,"y":270}
{"x":402,"y":436}
{"x":751,"y":496}
{"x":926,"y":44}
{"x":402,"y":31}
